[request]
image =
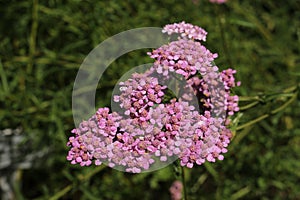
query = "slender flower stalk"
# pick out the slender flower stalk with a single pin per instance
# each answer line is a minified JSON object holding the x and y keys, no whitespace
{"x":184,"y":184}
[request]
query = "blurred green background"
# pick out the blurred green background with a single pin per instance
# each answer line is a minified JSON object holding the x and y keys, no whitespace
{"x":43,"y":43}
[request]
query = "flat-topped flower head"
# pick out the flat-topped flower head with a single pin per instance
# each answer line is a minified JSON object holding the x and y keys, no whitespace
{"x":152,"y":127}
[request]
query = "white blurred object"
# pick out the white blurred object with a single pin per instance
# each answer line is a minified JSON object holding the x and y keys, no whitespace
{"x":14,"y":156}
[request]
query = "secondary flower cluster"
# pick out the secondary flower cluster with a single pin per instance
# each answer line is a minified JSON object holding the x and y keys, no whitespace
{"x":185,"y":57}
{"x":186,"y":30}
{"x":153,"y":126}
{"x":176,"y":190}
{"x":218,"y":1}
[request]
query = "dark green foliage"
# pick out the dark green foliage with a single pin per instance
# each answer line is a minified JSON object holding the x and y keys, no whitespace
{"x":43,"y":43}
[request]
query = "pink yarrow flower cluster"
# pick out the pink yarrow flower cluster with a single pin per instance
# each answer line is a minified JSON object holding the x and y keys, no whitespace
{"x":186,"y":30}
{"x":176,"y":190}
{"x":218,"y":1}
{"x":154,"y":127}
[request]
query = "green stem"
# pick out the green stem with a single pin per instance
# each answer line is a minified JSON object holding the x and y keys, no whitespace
{"x":285,"y":104}
{"x":250,"y":105}
{"x":33,"y":35}
{"x":222,"y":30}
{"x":183,"y":183}
{"x":285,"y":93}
{"x":61,"y":193}
{"x":3,"y":78}
{"x":252,"y":122}
{"x":81,"y":179}
{"x":249,"y":98}
{"x":271,"y":113}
